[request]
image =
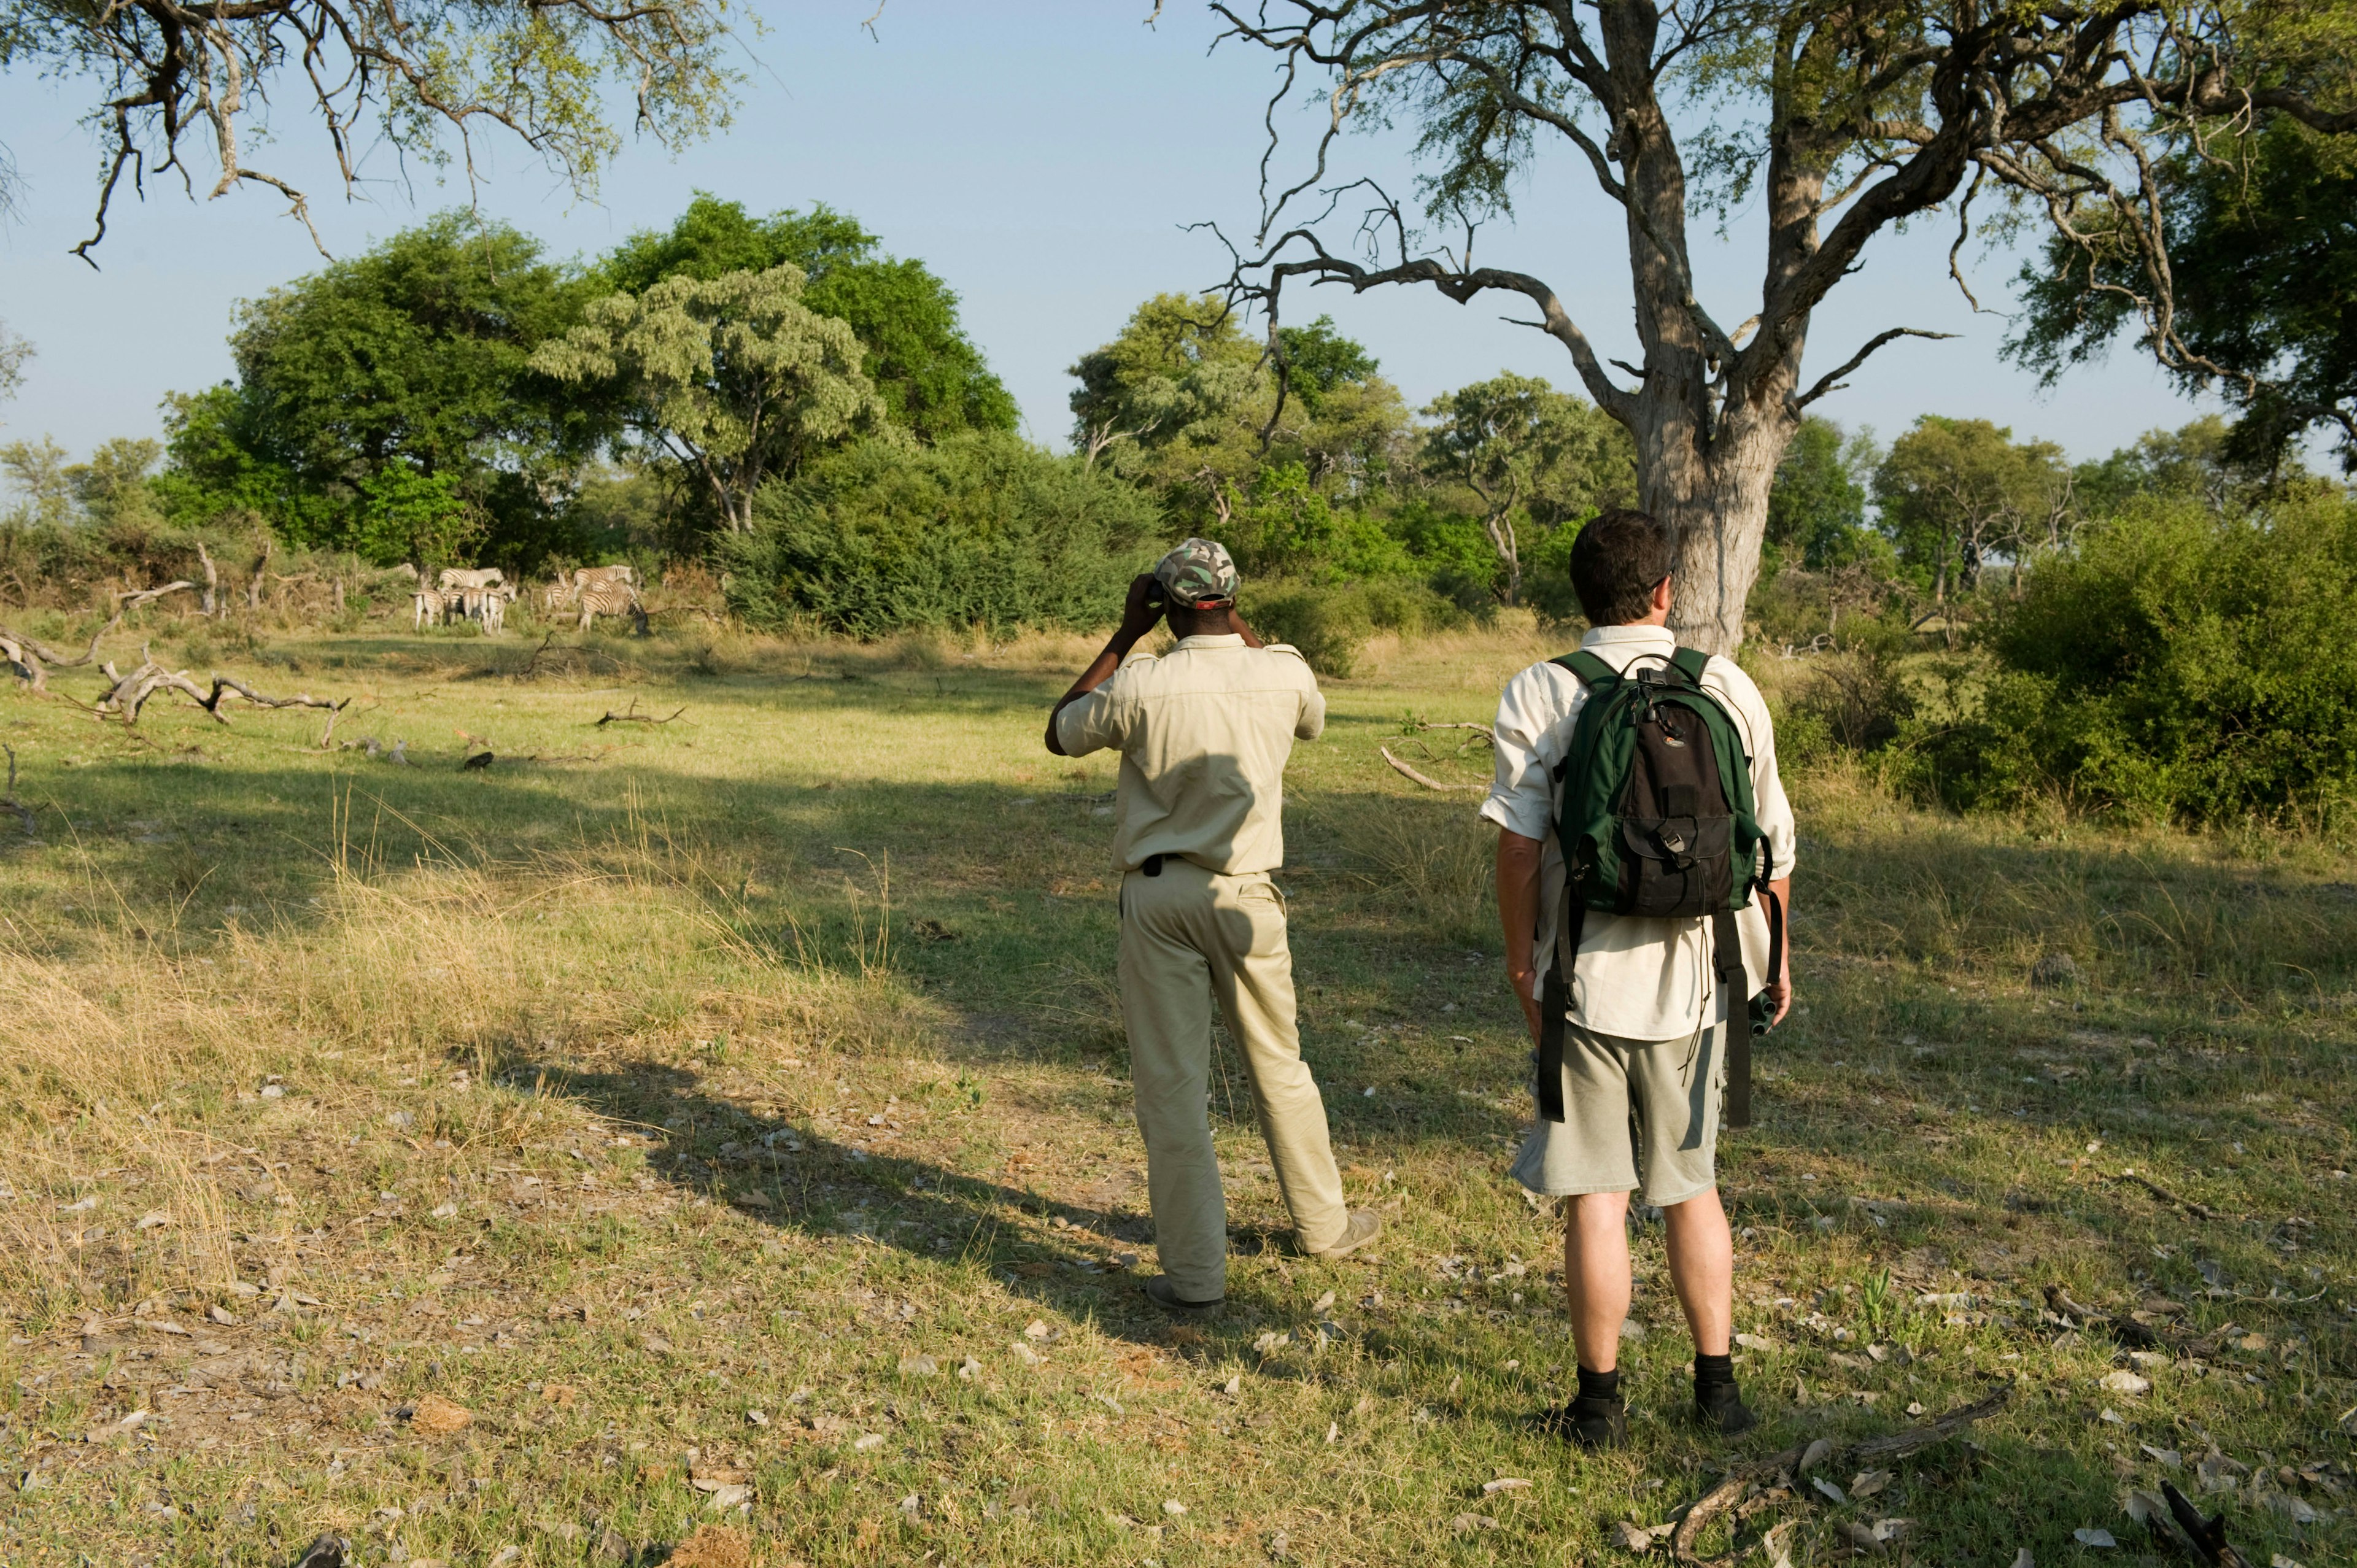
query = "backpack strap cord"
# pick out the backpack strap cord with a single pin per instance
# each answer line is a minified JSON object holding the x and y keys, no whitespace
{"x":1554,"y":1001}
{"x":1735,"y":989}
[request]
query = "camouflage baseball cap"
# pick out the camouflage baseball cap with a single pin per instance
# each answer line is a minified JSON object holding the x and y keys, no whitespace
{"x":1197,"y":573}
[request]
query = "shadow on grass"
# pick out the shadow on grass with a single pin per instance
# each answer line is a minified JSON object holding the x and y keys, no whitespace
{"x":1074,"y":1256}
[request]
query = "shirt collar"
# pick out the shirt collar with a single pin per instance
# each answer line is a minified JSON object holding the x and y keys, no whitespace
{"x":1210,"y":639}
{"x":1627,"y":636}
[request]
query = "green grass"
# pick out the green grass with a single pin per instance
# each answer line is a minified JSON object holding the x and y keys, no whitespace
{"x":755,"y":1061}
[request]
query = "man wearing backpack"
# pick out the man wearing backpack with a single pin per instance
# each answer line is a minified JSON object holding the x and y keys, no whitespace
{"x":1203,"y":733}
{"x":1657,"y":768}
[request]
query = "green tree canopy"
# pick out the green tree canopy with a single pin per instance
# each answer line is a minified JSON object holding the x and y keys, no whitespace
{"x":2262,"y":250}
{"x":1954,"y":491}
{"x":1319,"y":358}
{"x":929,"y":374}
{"x":1176,"y":378}
{"x":425,"y":81}
{"x":1817,"y":510}
{"x":1527,"y":451}
{"x":412,"y":355}
{"x":734,"y":378}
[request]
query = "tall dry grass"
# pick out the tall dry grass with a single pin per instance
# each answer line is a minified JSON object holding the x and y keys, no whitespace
{"x":158,"y":1069}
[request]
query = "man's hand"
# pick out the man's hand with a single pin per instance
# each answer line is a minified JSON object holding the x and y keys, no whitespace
{"x":1523,"y":983}
{"x":1139,"y":617}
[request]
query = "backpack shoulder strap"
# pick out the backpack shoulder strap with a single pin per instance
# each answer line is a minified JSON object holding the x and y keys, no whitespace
{"x":1592,"y":671}
{"x":1690,"y":662}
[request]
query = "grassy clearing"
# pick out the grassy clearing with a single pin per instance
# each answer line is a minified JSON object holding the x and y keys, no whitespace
{"x":739,"y":1103}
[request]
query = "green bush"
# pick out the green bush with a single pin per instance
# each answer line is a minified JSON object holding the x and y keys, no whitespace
{"x":1329,"y":626}
{"x":2178,"y":665}
{"x":983,"y":530}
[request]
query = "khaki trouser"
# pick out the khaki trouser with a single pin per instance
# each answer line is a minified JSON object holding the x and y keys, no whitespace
{"x":1186,"y":935}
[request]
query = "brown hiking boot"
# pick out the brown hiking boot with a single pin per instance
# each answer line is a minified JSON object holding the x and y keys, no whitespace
{"x":1364,"y":1226}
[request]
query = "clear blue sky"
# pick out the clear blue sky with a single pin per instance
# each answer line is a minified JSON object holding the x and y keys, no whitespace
{"x":1042,"y":156}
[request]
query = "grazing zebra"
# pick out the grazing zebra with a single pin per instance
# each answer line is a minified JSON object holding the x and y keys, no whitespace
{"x":431,"y":608}
{"x":606,"y":591}
{"x":490,"y":607}
{"x":457,"y":580}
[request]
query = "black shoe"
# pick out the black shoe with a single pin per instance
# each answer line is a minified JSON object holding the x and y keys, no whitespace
{"x":1162,"y":1292}
{"x":1592,"y":1422}
{"x":1720,"y":1408}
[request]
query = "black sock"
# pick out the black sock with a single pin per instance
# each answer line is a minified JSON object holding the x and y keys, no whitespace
{"x":1713,"y":1372}
{"x":1604,"y":1386}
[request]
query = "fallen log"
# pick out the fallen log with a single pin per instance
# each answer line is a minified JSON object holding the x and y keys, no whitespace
{"x":1407,"y":772}
{"x":130,"y":692}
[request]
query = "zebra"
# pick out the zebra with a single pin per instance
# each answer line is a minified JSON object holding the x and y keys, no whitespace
{"x":490,"y":607}
{"x":456,"y":579}
{"x":431,"y":608}
{"x":608,"y":591}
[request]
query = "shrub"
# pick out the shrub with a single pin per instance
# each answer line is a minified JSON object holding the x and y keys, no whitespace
{"x":1329,"y":626}
{"x":983,"y":530}
{"x":2181,"y":664}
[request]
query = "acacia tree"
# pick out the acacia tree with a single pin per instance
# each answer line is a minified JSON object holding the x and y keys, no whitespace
{"x":1953,"y":492}
{"x":1516,"y":443}
{"x":423,"y":79}
{"x":1844,"y":117}
{"x":732,"y":378}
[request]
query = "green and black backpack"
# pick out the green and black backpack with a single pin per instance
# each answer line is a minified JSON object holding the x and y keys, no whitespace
{"x":1656,"y":819}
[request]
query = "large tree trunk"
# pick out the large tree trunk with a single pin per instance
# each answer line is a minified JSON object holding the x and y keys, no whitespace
{"x":1719,"y":504}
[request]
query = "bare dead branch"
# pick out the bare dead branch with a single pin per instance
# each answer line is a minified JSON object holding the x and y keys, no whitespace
{"x":1410,"y":773}
{"x":1832,"y":381}
{"x":632,"y":716}
{"x":1743,"y":1478}
{"x":129,"y":694}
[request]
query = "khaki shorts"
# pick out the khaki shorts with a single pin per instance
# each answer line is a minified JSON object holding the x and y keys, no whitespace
{"x":1638,"y":1114}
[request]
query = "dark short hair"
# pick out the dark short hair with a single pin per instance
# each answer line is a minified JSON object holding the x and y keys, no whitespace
{"x":1616,"y":562}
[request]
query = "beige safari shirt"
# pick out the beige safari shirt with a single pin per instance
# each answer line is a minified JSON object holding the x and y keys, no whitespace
{"x":1638,"y":978}
{"x":1203,"y":732}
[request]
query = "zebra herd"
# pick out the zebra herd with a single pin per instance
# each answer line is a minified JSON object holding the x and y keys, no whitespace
{"x":483,"y":596}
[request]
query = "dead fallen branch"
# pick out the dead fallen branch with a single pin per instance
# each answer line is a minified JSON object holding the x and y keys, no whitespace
{"x":1405,"y":771}
{"x":1743,"y":1478}
{"x":2199,"y":1210}
{"x":1484,"y":731}
{"x":2123,"y":1329}
{"x":138,"y":598}
{"x":130,"y":692}
{"x":533,"y":663}
{"x":632,"y":716}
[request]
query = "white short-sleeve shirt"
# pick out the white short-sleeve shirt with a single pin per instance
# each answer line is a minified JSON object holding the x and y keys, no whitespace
{"x":1638,"y":978}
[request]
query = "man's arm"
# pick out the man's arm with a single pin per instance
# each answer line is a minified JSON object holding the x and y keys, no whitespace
{"x":1137,"y":619}
{"x":1518,"y":913}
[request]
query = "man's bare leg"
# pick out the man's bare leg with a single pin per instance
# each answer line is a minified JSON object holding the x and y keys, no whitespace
{"x":1702,"y":1270}
{"x":1596,"y":1278}
{"x":1596,"y":1274}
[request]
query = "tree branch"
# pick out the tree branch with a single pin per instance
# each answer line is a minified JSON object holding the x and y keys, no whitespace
{"x":1832,"y":381}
